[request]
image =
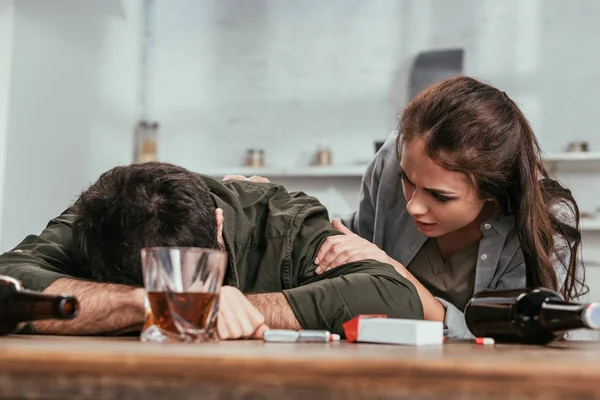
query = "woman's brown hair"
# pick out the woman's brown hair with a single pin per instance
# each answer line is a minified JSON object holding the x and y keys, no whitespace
{"x":473,"y":128}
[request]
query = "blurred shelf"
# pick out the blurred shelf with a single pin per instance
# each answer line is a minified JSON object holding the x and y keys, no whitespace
{"x":573,"y":161}
{"x":332,"y":171}
{"x":589,"y":224}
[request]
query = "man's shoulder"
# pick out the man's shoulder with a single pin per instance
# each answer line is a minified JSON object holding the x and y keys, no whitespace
{"x":269,"y":208}
{"x":66,"y":218}
{"x":245,"y":191}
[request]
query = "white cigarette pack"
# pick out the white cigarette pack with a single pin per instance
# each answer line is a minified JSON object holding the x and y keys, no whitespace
{"x":411,"y":332}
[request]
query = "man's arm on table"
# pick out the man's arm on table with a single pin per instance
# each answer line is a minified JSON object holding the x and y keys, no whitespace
{"x":336,"y":297}
{"x":329,"y":300}
{"x":103,"y":309}
{"x":276,"y":310}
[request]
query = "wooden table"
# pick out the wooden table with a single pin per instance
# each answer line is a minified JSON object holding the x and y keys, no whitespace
{"x":120,"y":368}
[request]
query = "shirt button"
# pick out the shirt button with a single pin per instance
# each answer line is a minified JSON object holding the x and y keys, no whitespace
{"x":487,"y":226}
{"x":483,"y":257}
{"x":18,"y":251}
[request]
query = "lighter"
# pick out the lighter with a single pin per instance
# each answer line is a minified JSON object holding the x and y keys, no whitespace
{"x":283,"y":335}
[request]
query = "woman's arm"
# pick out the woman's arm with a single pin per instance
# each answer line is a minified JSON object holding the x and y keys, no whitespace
{"x":433,"y":310}
{"x":343,"y":249}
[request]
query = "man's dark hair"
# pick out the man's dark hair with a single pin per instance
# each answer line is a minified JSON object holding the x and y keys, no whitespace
{"x":137,"y":206}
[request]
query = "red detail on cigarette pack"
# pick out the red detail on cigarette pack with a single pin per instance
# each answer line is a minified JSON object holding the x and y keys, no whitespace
{"x":351,"y":327}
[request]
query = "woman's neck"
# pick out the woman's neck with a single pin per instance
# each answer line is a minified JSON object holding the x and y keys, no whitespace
{"x":453,"y":242}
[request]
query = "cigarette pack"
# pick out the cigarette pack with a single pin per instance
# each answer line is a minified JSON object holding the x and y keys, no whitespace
{"x":380,"y":329}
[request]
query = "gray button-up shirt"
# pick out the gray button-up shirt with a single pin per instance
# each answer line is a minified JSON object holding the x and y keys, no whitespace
{"x":382,"y":218}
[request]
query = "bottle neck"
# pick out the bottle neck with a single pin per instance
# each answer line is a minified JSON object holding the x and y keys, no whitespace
{"x":24,"y":305}
{"x":563,"y":316}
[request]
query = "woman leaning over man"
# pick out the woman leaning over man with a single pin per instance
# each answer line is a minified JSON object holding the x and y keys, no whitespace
{"x":458,"y":201}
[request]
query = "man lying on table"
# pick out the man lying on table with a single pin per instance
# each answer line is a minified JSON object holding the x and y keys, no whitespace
{"x":271,"y":236}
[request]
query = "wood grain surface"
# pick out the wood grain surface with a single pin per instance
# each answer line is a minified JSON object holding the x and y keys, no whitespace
{"x":45,"y":367}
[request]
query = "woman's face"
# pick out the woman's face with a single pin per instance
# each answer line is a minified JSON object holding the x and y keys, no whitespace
{"x":440,"y":201}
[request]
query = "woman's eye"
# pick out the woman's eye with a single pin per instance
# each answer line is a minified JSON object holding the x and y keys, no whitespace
{"x":404,"y":178}
{"x":440,"y":198}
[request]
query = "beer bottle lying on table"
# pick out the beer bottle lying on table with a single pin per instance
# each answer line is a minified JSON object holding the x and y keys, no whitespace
{"x":529,"y":316}
{"x":18,"y":305}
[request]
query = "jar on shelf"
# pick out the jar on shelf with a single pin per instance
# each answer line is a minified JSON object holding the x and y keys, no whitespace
{"x":323,"y":156}
{"x":145,"y":142}
{"x":255,"y":158}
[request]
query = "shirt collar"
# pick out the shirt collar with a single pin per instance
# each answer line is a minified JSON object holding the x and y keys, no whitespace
{"x":502,"y":223}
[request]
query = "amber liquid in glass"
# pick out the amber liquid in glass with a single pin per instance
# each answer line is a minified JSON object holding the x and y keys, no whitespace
{"x":193,"y":307}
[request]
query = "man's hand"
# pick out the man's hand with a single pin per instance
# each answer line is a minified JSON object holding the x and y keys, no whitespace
{"x":349,"y":247}
{"x":238,"y":318}
{"x":253,"y":178}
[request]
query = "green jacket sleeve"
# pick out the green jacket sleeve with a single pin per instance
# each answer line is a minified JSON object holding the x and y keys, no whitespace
{"x":309,"y":230}
{"x":365,"y":287}
{"x":41,"y":259}
{"x":327,"y":301}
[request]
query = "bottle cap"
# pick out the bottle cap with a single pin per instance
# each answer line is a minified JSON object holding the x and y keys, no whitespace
{"x":591,"y":316}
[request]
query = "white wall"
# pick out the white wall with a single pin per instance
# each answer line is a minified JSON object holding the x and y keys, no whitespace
{"x":72,"y":104}
{"x":6,"y":48}
{"x":283,"y":75}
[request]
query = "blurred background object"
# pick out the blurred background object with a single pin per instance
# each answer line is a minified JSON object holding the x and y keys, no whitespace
{"x":433,"y":66}
{"x":578,"y":146}
{"x":254,"y":158}
{"x":323,"y":156}
{"x":145,"y":142}
{"x":430,"y":67}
